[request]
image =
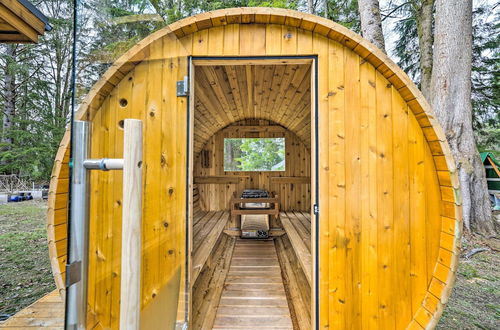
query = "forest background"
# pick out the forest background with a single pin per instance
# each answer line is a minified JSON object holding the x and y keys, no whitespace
{"x":35,"y":98}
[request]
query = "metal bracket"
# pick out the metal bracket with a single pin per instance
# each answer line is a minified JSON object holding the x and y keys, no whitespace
{"x":182,"y":87}
{"x":73,"y":273}
{"x":316,"y":209}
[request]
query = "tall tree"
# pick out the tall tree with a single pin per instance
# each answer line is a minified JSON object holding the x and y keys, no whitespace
{"x":371,"y":22}
{"x":486,"y":76}
{"x":344,"y":12}
{"x":310,"y":6}
{"x":9,"y":92}
{"x":451,"y":100}
{"x":425,"y":10}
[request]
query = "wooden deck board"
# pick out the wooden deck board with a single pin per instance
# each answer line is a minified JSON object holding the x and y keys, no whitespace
{"x":254,"y":295}
{"x":46,"y":313}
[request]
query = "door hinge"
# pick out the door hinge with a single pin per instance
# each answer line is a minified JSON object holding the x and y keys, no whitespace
{"x":73,"y":273}
{"x":316,"y":209}
{"x":183,"y":87}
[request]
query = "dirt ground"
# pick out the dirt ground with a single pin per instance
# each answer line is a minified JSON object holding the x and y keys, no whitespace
{"x":25,"y":273}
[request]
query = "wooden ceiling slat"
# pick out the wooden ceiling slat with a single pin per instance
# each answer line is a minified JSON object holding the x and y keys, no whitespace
{"x":235,"y":90}
{"x":225,"y":94}
{"x":275,"y":88}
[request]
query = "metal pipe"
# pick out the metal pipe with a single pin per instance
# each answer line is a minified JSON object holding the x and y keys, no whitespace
{"x":76,"y":268}
{"x":104,"y":164}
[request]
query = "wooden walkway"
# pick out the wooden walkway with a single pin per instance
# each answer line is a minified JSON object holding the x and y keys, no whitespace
{"x":46,"y":313}
{"x":254,"y":296}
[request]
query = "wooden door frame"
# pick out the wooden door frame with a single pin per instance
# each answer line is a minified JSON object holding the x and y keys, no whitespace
{"x":255,"y":60}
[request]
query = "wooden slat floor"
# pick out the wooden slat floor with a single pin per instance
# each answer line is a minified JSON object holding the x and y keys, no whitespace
{"x":254,"y":296}
{"x":46,"y":313}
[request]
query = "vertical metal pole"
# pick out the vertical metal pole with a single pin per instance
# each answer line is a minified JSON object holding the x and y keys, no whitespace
{"x":130,"y":296}
{"x":76,"y":269}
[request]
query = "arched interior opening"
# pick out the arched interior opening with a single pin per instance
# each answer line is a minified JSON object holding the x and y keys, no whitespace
{"x":251,"y":135}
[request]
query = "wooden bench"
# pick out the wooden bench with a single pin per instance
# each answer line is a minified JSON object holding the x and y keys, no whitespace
{"x":207,"y":228}
{"x":297,"y":226}
{"x":236,"y":211}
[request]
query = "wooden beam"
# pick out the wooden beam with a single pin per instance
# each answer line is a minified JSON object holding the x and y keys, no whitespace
{"x":256,"y":129}
{"x":130,"y":296}
{"x":18,"y":23}
{"x":260,"y":211}
{"x":495,"y":167}
{"x":13,"y":38}
{"x":275,"y":232}
{"x":227,"y":179}
{"x":291,"y":179}
{"x":236,"y":200}
{"x":23,"y":13}
{"x":261,"y":61}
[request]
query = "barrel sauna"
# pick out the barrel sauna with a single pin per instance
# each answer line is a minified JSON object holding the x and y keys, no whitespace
{"x":368,"y":224}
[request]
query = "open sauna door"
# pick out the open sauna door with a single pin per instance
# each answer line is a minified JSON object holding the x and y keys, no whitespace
{"x":149,"y":93}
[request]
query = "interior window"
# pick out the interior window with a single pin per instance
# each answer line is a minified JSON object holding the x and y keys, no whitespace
{"x":254,"y":154}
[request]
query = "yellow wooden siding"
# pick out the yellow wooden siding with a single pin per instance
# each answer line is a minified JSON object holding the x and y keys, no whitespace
{"x":382,"y":220}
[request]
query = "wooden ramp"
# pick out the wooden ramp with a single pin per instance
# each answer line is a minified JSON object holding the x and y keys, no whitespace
{"x":254,"y":296}
{"x":46,"y":313}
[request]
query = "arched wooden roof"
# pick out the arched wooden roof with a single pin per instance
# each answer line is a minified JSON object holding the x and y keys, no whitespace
{"x":444,"y":271}
{"x":225,"y":94}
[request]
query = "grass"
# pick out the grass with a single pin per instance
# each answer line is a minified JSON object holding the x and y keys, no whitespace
{"x":26,"y":275}
{"x":475,"y":300}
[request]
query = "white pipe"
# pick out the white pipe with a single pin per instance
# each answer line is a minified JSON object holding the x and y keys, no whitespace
{"x":104,"y":164}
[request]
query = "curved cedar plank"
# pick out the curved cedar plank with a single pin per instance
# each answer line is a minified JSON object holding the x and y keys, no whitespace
{"x":57,"y":214}
{"x":444,"y":271}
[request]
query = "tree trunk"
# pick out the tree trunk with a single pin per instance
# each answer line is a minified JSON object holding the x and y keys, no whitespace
{"x":310,"y":6}
{"x":425,"y":41}
{"x":9,"y":95}
{"x":451,"y":100}
{"x":371,"y":23}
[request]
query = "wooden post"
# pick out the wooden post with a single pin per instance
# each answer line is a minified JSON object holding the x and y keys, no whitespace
{"x":130,"y":297}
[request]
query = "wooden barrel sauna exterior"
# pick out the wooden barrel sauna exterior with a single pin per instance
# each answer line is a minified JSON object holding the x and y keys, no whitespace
{"x":389,"y":223}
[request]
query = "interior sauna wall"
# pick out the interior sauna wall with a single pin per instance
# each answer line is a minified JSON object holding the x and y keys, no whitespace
{"x":293,"y":185}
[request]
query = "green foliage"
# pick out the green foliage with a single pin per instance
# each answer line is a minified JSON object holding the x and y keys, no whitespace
{"x":254,"y":154}
{"x":344,"y":12}
{"x":485,"y":65}
{"x":468,"y":271}
{"x":486,"y":77}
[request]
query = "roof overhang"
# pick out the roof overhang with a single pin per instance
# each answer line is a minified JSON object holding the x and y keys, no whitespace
{"x":21,"y":21}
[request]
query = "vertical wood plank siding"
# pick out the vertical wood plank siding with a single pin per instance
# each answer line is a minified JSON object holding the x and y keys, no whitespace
{"x":389,"y":226}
